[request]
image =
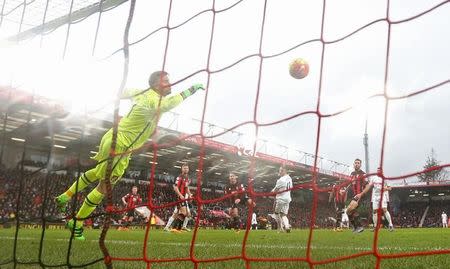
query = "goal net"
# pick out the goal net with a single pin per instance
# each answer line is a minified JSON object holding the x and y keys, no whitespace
{"x":379,"y":68}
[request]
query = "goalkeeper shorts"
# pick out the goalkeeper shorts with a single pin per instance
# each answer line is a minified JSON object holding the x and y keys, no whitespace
{"x":120,"y":161}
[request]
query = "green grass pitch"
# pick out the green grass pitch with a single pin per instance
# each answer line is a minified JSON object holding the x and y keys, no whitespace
{"x":210,"y":244}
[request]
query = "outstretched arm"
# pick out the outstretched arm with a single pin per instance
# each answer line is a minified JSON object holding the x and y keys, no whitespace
{"x":173,"y":101}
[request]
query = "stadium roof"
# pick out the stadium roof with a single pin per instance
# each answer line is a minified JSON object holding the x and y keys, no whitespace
{"x":75,"y":135}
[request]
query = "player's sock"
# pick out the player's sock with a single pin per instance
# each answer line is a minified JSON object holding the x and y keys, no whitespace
{"x":388,"y":217}
{"x":279,"y":222}
{"x":375,"y":220}
{"x":185,"y":222}
{"x":169,"y":223}
{"x":83,"y":181}
{"x":91,"y":201}
{"x":286,"y":222}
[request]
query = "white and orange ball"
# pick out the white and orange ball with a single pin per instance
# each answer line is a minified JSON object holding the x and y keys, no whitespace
{"x":298,"y":68}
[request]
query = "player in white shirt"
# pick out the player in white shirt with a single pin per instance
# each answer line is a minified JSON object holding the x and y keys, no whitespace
{"x":254,"y":222}
{"x":376,"y":183}
{"x":444,"y":220}
{"x":283,"y":199}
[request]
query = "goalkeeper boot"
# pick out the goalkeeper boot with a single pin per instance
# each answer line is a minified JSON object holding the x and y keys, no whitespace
{"x":61,"y":203}
{"x":77,"y":230}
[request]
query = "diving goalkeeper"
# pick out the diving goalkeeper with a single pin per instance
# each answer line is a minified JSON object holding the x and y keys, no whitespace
{"x":133,"y":131}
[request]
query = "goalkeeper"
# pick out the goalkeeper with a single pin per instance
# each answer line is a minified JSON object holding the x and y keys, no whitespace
{"x":133,"y":131}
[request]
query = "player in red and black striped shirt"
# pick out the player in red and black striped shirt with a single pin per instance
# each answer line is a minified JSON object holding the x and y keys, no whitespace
{"x":356,"y":186}
{"x":339,"y":196}
{"x":181,"y":188}
{"x":130,"y":201}
{"x":239,"y":197}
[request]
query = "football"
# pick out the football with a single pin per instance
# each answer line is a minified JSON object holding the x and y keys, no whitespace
{"x":298,"y":68}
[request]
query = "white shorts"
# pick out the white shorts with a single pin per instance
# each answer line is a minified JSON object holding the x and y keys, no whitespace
{"x":344,"y":217}
{"x":281,"y":207}
{"x":376,"y":202}
{"x":143,"y":211}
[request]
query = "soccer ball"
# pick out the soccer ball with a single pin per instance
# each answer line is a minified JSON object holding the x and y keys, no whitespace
{"x":298,"y":68}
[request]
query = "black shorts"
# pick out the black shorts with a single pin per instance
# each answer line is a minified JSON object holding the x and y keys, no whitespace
{"x":351,"y":197}
{"x":130,"y":213}
{"x":242,"y":203}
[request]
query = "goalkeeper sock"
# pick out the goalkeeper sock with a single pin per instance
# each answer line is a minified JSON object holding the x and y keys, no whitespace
{"x":91,"y":201}
{"x":388,"y":217}
{"x":83,"y":181}
{"x":375,"y":220}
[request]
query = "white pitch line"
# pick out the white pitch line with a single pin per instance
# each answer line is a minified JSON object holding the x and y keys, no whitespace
{"x":250,"y":245}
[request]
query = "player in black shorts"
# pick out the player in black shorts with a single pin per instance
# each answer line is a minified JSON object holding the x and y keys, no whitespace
{"x":181,"y":188}
{"x":338,"y":195}
{"x":356,"y":186}
{"x":238,"y":199}
{"x":130,"y":200}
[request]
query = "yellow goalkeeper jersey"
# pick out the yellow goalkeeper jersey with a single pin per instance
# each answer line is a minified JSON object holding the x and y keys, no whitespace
{"x":136,"y":127}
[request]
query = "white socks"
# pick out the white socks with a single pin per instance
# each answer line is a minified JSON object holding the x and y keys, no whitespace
{"x":375,"y":218}
{"x":286,"y":222}
{"x":388,"y":217}
{"x":169,"y":223}
{"x":279,"y":222}
{"x":185,"y":222}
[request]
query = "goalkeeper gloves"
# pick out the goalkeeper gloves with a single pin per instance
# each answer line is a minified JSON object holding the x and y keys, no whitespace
{"x":186,"y":93}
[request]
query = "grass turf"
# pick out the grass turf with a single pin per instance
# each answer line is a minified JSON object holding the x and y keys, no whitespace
{"x":211,"y":244}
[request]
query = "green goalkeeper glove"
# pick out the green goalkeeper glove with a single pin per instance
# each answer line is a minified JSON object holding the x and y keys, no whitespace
{"x":186,"y":93}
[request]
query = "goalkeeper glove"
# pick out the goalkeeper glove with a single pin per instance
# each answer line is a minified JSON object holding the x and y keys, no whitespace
{"x":186,"y":93}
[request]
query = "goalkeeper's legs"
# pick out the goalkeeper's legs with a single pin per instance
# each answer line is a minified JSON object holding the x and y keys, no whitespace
{"x":80,"y":184}
{"x":91,"y":201}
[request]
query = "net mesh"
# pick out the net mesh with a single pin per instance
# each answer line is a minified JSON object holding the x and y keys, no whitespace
{"x":29,"y":14}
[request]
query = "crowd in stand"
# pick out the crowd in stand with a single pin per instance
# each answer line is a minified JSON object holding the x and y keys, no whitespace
{"x":37,"y":190}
